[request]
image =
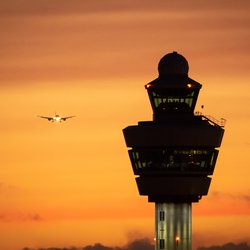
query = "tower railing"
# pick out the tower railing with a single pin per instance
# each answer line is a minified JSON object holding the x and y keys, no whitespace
{"x":217,"y":122}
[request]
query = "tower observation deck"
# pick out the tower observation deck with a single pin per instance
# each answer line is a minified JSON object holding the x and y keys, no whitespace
{"x":173,"y":157}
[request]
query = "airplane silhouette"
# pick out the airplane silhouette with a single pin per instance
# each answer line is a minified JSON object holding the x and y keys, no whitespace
{"x":56,"y":118}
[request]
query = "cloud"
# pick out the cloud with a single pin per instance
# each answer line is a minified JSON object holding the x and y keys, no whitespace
{"x":26,"y":7}
{"x":9,"y":190}
{"x":222,"y":195}
{"x":10,"y":217}
{"x":228,"y":246}
{"x":62,"y":40}
{"x":33,"y":217}
{"x":4,"y":187}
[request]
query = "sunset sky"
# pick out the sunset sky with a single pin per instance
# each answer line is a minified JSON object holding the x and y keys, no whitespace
{"x":71,"y":183}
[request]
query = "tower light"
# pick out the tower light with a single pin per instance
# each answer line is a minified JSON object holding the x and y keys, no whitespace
{"x":177,"y":239}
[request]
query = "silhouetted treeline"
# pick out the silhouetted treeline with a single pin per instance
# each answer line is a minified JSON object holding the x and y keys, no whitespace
{"x":52,"y":248}
{"x":139,"y":244}
{"x":145,"y":244}
{"x":228,"y":246}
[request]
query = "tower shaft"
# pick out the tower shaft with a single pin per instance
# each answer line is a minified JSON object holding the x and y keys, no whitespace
{"x":173,"y":226}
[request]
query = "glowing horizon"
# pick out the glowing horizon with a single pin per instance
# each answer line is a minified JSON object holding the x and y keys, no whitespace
{"x":71,"y":183}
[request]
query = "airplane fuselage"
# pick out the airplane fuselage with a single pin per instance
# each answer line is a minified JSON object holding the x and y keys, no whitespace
{"x":56,"y":118}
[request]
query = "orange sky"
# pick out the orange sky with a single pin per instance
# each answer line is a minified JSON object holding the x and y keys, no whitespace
{"x":71,"y":183}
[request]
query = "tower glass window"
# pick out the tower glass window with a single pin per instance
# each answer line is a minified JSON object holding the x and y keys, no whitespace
{"x":177,"y":101}
{"x":162,"y":215}
{"x":148,"y":160}
{"x":171,"y":99}
{"x":162,"y":243}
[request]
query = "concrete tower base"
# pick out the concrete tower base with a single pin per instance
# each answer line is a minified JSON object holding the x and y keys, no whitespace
{"x":173,"y":226}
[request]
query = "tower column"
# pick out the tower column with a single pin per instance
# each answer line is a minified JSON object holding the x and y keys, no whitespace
{"x":173,"y":226}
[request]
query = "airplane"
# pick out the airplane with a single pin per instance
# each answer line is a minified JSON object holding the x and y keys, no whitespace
{"x":56,"y":118}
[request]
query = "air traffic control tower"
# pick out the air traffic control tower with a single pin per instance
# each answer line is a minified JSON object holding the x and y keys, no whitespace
{"x":173,"y":156}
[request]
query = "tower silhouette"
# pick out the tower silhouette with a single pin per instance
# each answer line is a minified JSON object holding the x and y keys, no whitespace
{"x":174,"y":155}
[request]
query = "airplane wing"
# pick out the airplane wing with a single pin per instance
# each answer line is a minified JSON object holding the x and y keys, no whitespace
{"x":45,"y":117}
{"x":67,"y":117}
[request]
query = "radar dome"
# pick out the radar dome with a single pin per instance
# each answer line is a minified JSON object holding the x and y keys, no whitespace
{"x":173,"y":64}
